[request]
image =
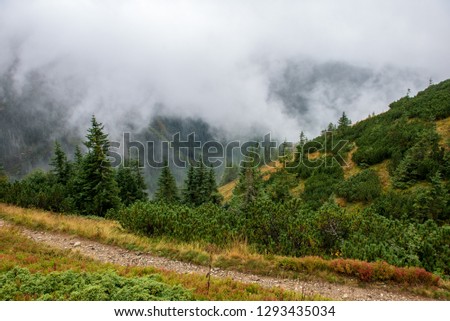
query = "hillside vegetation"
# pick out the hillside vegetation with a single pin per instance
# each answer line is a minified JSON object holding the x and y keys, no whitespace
{"x":375,"y":191}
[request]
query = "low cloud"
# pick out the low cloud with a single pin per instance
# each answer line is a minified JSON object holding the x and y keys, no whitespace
{"x":275,"y":66}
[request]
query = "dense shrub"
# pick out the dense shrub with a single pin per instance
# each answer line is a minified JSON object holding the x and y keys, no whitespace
{"x":431,"y":104}
{"x":395,"y":205}
{"x":322,"y":183}
{"x":292,"y":229}
{"x":20,"y":284}
{"x":39,"y":190}
{"x":364,"y":186}
{"x":400,"y":243}
{"x":282,"y":228}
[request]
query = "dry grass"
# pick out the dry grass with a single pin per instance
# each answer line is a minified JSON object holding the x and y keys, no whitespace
{"x":443,"y":129}
{"x":227,"y":190}
{"x":350,"y":168}
{"x":298,"y":190}
{"x":269,"y":169}
{"x":19,"y":251}
{"x":383,"y":173}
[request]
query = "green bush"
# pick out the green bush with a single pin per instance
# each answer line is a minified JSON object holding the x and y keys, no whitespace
{"x":400,"y":243}
{"x":364,"y":186}
{"x":20,"y":284}
{"x":431,"y":104}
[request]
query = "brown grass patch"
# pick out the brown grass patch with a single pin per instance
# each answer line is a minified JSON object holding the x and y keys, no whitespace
{"x":350,"y":168}
{"x":443,"y":129}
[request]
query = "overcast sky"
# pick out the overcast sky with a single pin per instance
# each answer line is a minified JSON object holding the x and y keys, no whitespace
{"x":218,"y":59}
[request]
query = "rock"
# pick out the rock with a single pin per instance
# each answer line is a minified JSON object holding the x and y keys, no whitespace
{"x":76,"y":244}
{"x":345,"y":296}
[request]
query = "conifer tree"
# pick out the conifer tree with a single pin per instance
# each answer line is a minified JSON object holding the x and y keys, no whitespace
{"x":167,"y":189}
{"x":60,"y":164}
{"x":131,"y":182}
{"x":201,"y":186}
{"x":214,"y":196}
{"x":76,"y":182}
{"x":248,"y":187}
{"x":344,"y":122}
{"x":303,"y":139}
{"x":100,"y":189}
{"x":190,"y":190}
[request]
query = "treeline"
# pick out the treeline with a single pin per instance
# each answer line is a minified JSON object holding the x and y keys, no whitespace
{"x":89,"y":185}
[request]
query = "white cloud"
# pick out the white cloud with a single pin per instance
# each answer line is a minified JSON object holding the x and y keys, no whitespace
{"x":215,"y":59}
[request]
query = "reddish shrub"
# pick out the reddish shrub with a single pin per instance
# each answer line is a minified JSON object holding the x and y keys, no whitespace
{"x":365,"y":271}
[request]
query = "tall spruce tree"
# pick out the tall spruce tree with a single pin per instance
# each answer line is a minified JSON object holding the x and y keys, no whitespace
{"x":190,"y":190}
{"x":344,"y":122}
{"x":201,"y":186}
{"x":131,"y":182}
{"x":167,"y":188}
{"x":100,"y":189}
{"x":249,"y":185}
{"x":303,"y":139}
{"x":60,"y":164}
{"x":214,"y":196}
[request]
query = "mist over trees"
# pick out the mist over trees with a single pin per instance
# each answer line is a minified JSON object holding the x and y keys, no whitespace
{"x":388,"y":184}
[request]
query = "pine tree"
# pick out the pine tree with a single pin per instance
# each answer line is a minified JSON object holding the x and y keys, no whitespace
{"x":344,"y":122}
{"x":303,"y":139}
{"x":201,"y":184}
{"x":331,"y":127}
{"x":60,"y":164}
{"x":131,"y":182}
{"x":190,"y":190}
{"x":167,"y":188}
{"x":285,"y":156}
{"x":440,"y":195}
{"x":248,"y":187}
{"x":214,"y":196}
{"x":100,"y":189}
{"x":76,"y":181}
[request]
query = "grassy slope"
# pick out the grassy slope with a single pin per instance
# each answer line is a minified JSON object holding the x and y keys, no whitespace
{"x":413,"y":108}
{"x":18,"y":251}
{"x":238,"y":257}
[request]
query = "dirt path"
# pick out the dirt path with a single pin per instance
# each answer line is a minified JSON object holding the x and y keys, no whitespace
{"x":116,"y":255}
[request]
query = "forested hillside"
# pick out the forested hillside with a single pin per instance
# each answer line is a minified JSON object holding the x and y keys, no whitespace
{"x":377,"y":190}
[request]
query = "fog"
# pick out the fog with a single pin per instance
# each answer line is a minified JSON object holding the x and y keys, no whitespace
{"x":279,"y":66}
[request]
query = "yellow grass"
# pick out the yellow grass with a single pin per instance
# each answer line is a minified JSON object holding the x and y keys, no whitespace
{"x":227,"y":190}
{"x":443,"y":129}
{"x":383,"y":173}
{"x":19,"y":251}
{"x":298,"y":190}
{"x":350,"y":168}
{"x":313,"y":156}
